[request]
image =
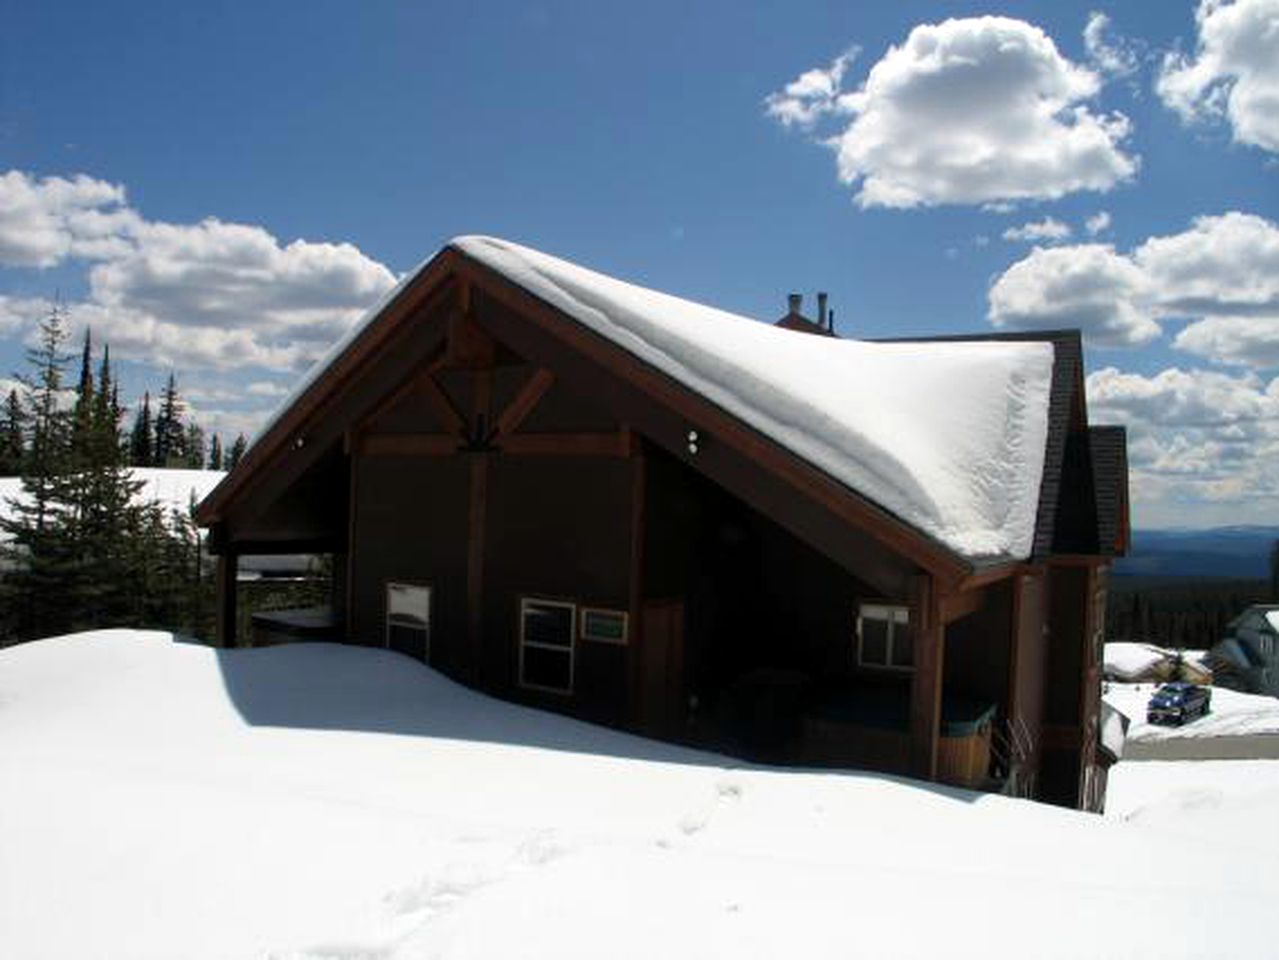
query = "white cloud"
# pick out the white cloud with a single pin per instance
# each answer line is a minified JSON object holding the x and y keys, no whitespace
{"x":969,"y":111}
{"x":1047,"y":229}
{"x":1201,"y":443}
{"x":206,"y":295}
{"x":42,"y":222}
{"x":1222,"y":273}
{"x":811,"y":95}
{"x":1113,"y":56}
{"x":1089,"y":286}
{"x":264,"y":388}
{"x":1234,"y":74}
{"x":1098,"y":222}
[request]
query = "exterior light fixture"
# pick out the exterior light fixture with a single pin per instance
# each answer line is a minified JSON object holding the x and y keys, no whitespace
{"x":692,"y":442}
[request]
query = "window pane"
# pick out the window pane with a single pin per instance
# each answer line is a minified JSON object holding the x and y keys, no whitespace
{"x":547,"y":668}
{"x":874,"y":641}
{"x":408,"y":605}
{"x":608,"y":626}
{"x":903,"y":646}
{"x":548,"y":624}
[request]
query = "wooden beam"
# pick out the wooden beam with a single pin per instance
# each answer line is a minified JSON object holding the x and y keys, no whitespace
{"x":475,"y":526}
{"x":409,"y":445}
{"x":518,"y":409}
{"x":569,"y":444}
{"x":955,"y":606}
{"x":404,"y":389}
{"x":445,"y":412}
{"x":469,"y":347}
{"x":926,"y":681}
{"x":228,"y":568}
{"x":635,"y":586}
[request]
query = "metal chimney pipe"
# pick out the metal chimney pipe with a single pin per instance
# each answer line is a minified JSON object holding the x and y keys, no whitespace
{"x":821,"y":308}
{"x":795,"y":302}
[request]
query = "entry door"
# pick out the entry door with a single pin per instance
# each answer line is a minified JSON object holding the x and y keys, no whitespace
{"x":662,"y":668}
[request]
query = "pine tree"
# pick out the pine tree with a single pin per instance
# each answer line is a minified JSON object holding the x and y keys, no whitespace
{"x":193,"y":444}
{"x":142,"y":438}
{"x":39,"y":553}
{"x":1274,"y":572}
{"x":12,"y":446}
{"x":82,"y":415}
{"x":236,"y":451}
{"x":170,"y":434}
{"x":215,"y":453}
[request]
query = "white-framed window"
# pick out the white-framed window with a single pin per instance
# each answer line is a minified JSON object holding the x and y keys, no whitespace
{"x":408,"y":619}
{"x":604,"y":626}
{"x":548,"y":634}
{"x":884,"y":639}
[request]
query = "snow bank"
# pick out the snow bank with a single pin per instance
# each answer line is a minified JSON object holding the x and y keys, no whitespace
{"x":1132,"y":661}
{"x":317,"y":801}
{"x":950,"y":437}
{"x":1233,"y":714}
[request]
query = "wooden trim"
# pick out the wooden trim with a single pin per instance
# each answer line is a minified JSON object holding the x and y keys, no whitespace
{"x":278,"y":548}
{"x":708,"y":418}
{"x":432,"y":284}
{"x":635,"y":582}
{"x":926,"y":681}
{"x":476,"y":516}
{"x":569,"y":444}
{"x":989,"y":575}
{"x":406,"y":388}
{"x":1059,"y":736}
{"x":445,"y":412}
{"x":227,"y":623}
{"x":955,"y":606}
{"x":468,"y":346}
{"x":518,"y":409}
{"x":409,"y":445}
{"x":351,"y":514}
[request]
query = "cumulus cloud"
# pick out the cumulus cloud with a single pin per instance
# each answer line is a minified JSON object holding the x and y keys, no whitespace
{"x":1234,"y":73}
{"x":1197,"y":438}
{"x":44,"y":221}
{"x":1111,"y":55}
{"x":1088,"y":286}
{"x":205,"y":295}
{"x":1222,"y":274}
{"x":811,"y":95}
{"x":1098,"y":222}
{"x":1047,"y":229}
{"x":970,"y":111}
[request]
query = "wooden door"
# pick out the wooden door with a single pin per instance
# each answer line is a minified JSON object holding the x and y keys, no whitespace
{"x":661,"y":707}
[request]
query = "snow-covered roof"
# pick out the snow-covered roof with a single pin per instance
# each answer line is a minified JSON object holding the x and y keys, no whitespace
{"x":948,"y":436}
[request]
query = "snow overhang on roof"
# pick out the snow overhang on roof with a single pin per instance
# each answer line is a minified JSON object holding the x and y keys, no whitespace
{"x":948,"y":436}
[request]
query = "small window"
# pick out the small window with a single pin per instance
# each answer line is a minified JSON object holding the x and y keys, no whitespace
{"x":548,"y":629}
{"x":408,"y":619}
{"x":883,"y":637}
{"x":604,"y":626}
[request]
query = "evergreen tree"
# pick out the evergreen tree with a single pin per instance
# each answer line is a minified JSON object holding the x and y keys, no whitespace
{"x":236,"y":452}
{"x":1274,"y":572}
{"x":82,"y":414}
{"x":170,"y":434}
{"x":193,"y":444}
{"x":12,"y":446}
{"x":142,"y":438}
{"x":215,"y":453}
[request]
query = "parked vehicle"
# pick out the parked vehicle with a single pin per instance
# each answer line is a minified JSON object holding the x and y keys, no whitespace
{"x":1175,"y":703}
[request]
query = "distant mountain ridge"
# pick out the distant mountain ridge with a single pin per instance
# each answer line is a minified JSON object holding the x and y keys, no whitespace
{"x":1238,"y":552}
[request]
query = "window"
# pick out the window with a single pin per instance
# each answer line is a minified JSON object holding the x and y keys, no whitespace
{"x":604,"y":626}
{"x":408,"y":619}
{"x":548,"y":629}
{"x":883,"y":637}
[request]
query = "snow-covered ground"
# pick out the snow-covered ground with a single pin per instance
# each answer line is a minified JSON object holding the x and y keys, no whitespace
{"x":162,"y":799}
{"x":1239,"y":726}
{"x":172,"y":489}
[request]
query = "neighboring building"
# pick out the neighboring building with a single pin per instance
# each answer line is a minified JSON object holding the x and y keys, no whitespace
{"x":1247,"y":657}
{"x":599,"y":499}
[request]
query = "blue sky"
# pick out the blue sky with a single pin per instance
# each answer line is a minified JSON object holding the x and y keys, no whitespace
{"x":219,"y":188}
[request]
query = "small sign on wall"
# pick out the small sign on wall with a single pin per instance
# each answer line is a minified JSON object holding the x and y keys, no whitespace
{"x":604,"y":626}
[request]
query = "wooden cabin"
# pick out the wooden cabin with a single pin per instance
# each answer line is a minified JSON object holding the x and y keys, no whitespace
{"x":552,"y":486}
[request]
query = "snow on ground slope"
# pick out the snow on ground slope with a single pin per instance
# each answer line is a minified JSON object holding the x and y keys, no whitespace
{"x":173,"y":489}
{"x":163,"y":799}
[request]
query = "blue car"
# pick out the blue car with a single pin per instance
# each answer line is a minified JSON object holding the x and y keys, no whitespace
{"x":1175,"y":703}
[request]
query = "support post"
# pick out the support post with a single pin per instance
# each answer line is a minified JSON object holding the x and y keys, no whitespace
{"x":926,"y":682}
{"x":228,"y":568}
